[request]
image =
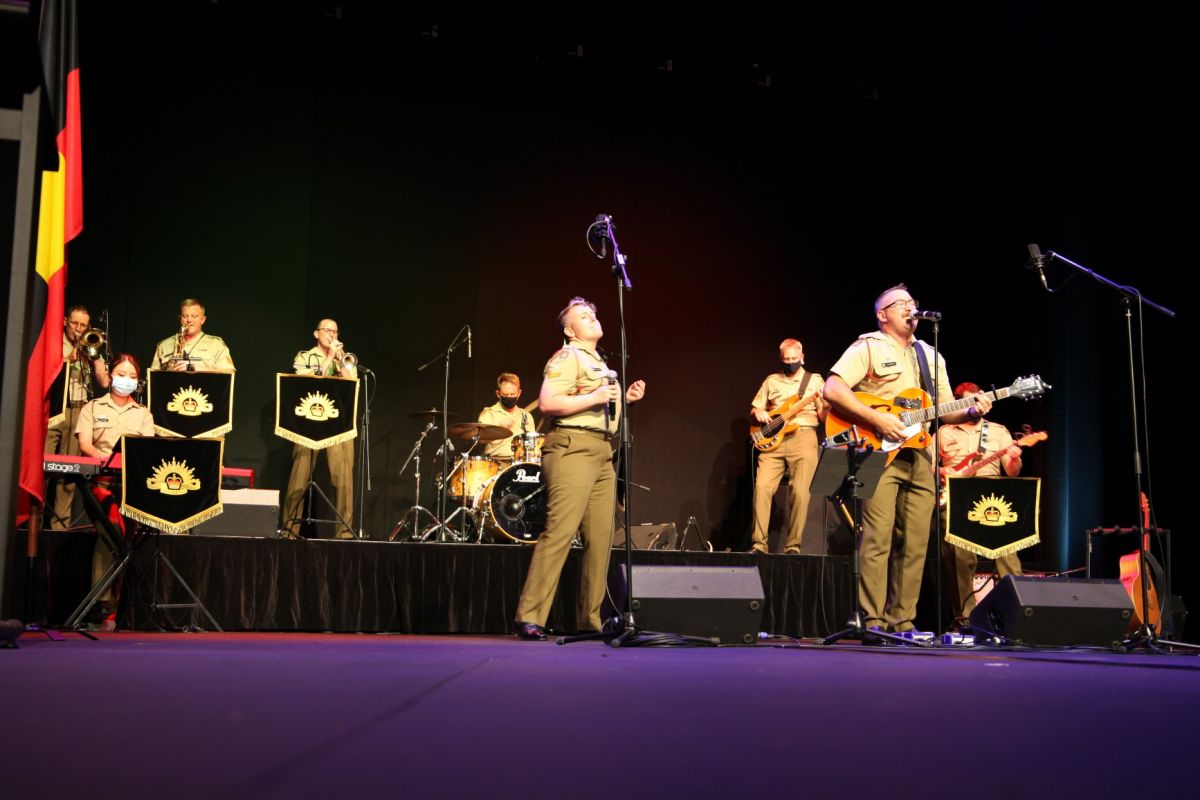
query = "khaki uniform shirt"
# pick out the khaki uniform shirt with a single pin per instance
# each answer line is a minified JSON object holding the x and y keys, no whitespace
{"x":576,"y":370}
{"x":876,"y":363}
{"x":107,"y":421}
{"x":518,"y":421}
{"x":779,"y":387}
{"x":208,"y":353}
{"x":314,"y":362}
{"x":960,"y":441}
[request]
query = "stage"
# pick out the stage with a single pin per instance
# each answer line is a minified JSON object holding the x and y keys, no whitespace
{"x":333,"y":715}
{"x":349,"y":586}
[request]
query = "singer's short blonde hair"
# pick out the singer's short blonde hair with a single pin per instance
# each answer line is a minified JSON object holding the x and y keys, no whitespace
{"x":508,"y":377}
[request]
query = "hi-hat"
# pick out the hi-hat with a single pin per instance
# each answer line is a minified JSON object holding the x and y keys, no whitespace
{"x":432,"y":415}
{"x":480,"y":431}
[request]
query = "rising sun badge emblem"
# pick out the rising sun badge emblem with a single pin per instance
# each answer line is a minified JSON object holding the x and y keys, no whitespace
{"x":190,"y":402}
{"x":173,"y":477}
{"x":992,"y":511}
{"x":317,"y":407}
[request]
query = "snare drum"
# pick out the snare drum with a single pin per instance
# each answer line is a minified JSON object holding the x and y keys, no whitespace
{"x":528,"y":447}
{"x":513,"y":505}
{"x":471,"y":475}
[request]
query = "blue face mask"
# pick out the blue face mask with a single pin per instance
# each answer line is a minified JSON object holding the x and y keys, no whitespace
{"x":792,"y":369}
{"x":123,"y":387}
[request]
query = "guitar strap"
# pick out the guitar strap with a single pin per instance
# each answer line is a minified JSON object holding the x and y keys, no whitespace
{"x":928,"y":385}
{"x":804,"y":383}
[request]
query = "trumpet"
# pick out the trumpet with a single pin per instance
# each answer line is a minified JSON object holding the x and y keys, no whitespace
{"x":91,"y":342}
{"x":345,"y":360}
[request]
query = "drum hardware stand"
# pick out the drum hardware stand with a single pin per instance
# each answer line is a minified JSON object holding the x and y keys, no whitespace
{"x":440,"y":527}
{"x":1145,"y":636}
{"x":444,"y":532}
{"x":417,"y":509}
{"x":849,"y":485}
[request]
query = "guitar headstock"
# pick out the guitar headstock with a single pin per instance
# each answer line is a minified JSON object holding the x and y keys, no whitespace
{"x":1025,"y":388}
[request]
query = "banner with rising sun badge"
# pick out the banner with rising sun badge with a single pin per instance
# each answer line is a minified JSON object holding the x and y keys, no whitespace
{"x":171,"y":484}
{"x":196,"y":405}
{"x":315,"y":411}
{"x":993,"y":517}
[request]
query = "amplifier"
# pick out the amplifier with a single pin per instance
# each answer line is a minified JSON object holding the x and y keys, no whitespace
{"x":247,"y":512}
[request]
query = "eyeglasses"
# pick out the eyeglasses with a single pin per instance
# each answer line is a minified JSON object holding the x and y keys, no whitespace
{"x":902,"y":303}
{"x":334,"y":331}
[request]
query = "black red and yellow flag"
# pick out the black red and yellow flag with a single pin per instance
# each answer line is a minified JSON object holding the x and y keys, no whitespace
{"x":60,"y":219}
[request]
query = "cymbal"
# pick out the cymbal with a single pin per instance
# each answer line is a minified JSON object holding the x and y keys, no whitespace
{"x":485,"y":433}
{"x":432,"y":415}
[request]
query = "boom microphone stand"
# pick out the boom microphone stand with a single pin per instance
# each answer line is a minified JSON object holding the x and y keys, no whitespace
{"x":1146,"y":635}
{"x":441,"y":528}
{"x":364,"y":445}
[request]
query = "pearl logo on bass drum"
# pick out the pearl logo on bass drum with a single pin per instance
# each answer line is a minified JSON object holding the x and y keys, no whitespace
{"x":521,"y":476}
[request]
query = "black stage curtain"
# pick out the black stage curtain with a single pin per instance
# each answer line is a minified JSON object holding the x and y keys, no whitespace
{"x":383,"y":587}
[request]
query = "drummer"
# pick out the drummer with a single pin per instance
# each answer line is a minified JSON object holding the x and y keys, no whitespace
{"x":507,"y":414}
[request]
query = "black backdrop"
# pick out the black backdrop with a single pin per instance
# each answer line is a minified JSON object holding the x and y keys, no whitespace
{"x":410,"y":170}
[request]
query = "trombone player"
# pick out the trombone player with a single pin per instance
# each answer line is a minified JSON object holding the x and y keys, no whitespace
{"x":87,"y":376}
{"x":328,"y":358}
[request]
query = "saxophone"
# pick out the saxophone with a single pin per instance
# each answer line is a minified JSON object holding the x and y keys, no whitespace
{"x":178,"y":356}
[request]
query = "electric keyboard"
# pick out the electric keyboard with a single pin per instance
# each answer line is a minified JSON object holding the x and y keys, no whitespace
{"x":59,"y":465}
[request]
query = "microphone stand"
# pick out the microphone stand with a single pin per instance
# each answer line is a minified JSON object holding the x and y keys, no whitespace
{"x":364,"y":451}
{"x":1145,"y":636}
{"x":441,"y":527}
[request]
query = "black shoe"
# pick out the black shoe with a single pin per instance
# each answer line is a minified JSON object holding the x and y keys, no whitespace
{"x":530,"y":632}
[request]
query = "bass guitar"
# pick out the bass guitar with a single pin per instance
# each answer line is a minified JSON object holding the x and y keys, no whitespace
{"x":766,"y":438}
{"x":914,"y":408}
{"x":1028,"y":440}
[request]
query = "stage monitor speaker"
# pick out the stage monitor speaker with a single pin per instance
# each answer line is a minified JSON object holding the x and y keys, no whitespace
{"x":725,"y":603}
{"x":1056,"y":611}
{"x":649,"y":536}
{"x":247,"y":512}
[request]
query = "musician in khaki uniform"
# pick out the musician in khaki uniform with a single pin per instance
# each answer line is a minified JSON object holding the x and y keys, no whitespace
{"x":797,"y":454}
{"x":192,"y":349}
{"x":507,"y":414}
{"x":85,"y":376}
{"x":577,"y":462}
{"x":961,"y":444}
{"x":102,"y":423}
{"x":326,"y":358}
{"x":884,"y":363}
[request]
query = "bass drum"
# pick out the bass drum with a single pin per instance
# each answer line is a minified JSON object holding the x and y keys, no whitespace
{"x":512,"y":506}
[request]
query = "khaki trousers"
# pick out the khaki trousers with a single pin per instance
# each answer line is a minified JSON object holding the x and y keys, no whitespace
{"x":341,"y":473}
{"x":61,"y":440}
{"x":797,"y":456}
{"x":898,"y":516}
{"x":582,"y":493}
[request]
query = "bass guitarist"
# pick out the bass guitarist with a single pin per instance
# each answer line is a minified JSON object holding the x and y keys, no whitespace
{"x":799,"y":392}
{"x":884,"y":363}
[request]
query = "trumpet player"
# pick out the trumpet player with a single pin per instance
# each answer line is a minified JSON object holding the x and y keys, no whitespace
{"x":191,"y":348}
{"x":87,"y":376}
{"x":328,"y":358}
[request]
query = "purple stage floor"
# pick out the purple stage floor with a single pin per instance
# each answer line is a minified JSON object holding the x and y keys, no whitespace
{"x":306,"y":715}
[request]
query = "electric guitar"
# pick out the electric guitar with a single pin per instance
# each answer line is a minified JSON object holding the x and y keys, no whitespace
{"x":914,"y":408}
{"x":1028,"y":440}
{"x":766,"y":438}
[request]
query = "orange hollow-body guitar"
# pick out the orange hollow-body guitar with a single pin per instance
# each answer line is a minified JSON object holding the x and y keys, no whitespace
{"x":1131,"y":578}
{"x":769,"y":436}
{"x":914,"y":408}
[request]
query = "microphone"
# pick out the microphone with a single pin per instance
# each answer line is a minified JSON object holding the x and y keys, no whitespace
{"x":612,"y":404}
{"x":598,"y":234}
{"x":922,"y":314}
{"x":1038,"y":262}
{"x":468,"y":341}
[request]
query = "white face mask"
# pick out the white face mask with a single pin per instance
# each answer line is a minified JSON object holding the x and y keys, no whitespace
{"x":123,"y":387}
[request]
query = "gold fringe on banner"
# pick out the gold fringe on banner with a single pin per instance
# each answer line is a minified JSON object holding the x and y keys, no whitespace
{"x":979,"y":550}
{"x":214,"y":433}
{"x":313,"y":444}
{"x":173,"y":527}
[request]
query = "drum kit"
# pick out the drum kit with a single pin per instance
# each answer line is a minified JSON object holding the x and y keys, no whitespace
{"x":497,"y":501}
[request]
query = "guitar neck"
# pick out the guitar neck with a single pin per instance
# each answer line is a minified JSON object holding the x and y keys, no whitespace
{"x":933,"y":412}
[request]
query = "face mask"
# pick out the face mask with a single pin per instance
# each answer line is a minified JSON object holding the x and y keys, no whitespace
{"x":508,"y":402}
{"x":123,"y":387}
{"x":792,"y":369}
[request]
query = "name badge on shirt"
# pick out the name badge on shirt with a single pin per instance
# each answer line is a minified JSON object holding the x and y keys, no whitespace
{"x":102,"y":419}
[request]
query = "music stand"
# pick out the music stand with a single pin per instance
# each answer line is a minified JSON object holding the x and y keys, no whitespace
{"x":847,"y":476}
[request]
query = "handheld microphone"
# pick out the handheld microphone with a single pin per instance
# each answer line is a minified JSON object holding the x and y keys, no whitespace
{"x":468,"y":341}
{"x":612,"y":404}
{"x":922,"y":314}
{"x":1038,"y":262}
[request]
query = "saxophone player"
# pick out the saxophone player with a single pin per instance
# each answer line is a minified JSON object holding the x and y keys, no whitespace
{"x":87,"y":376}
{"x":328,"y":358}
{"x":192,"y":348}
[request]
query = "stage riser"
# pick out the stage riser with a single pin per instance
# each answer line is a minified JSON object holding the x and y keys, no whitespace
{"x":384,"y":587}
